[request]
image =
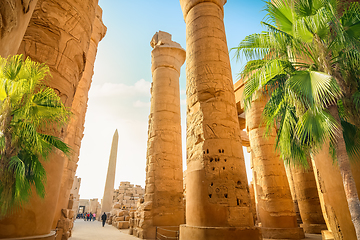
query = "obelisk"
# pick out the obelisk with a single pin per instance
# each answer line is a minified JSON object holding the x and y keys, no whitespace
{"x":110,"y":177}
{"x":217,"y":191}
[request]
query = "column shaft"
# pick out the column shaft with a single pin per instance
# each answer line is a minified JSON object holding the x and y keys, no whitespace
{"x":332,"y":196}
{"x":58,"y":35}
{"x":75,"y":128}
{"x":275,"y":205}
{"x":163,"y":204}
{"x":217,"y":192}
{"x":308,"y":199}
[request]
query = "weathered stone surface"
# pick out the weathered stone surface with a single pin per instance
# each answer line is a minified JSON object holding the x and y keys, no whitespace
{"x":332,"y":197}
{"x":274,"y":202}
{"x":76,"y":126}
{"x":58,"y":34}
{"x":163,"y":204}
{"x":293,"y":194}
{"x":79,"y":106}
{"x":75,"y":193}
{"x":217,"y":194}
{"x":308,"y":199}
{"x":14,"y":19}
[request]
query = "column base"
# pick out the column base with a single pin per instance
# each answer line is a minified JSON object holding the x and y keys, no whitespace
{"x":50,"y":236}
{"x":313,"y":228}
{"x":219,"y":233}
{"x":327,"y":235}
{"x":282,"y":233}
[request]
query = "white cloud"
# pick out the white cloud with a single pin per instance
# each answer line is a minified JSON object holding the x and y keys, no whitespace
{"x":141,"y":87}
{"x":140,"y":104}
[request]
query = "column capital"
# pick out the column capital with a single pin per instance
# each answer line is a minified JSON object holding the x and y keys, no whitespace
{"x":166,"y":52}
{"x":186,"y":5}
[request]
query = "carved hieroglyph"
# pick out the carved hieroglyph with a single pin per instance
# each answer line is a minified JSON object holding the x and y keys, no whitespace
{"x":14,"y":19}
{"x":75,"y":129}
{"x":275,"y":205}
{"x":164,"y":173}
{"x":217,"y":192}
{"x":110,"y":176}
{"x":59,"y":35}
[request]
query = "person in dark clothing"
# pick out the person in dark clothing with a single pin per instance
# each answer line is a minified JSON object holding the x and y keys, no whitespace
{"x":103,"y":218}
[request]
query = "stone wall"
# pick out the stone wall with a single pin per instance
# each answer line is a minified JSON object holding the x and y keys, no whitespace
{"x":75,"y":193}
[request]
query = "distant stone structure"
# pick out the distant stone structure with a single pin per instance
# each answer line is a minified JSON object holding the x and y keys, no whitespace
{"x":125,"y":200}
{"x":217,"y":193}
{"x":89,"y":205}
{"x":127,"y":195}
{"x":163,"y":202}
{"x":110,"y":176}
{"x":75,"y":193}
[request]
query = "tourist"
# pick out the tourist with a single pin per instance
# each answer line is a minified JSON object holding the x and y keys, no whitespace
{"x":103,"y":218}
{"x":94,"y":216}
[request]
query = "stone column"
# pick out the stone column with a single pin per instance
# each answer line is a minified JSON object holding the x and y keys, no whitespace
{"x":293,"y":194}
{"x":75,"y":129}
{"x":15,"y":16}
{"x":308,"y":199}
{"x":275,"y":205}
{"x":110,"y":177}
{"x":332,"y":197}
{"x":59,"y":35}
{"x":217,"y":192}
{"x":164,"y":173}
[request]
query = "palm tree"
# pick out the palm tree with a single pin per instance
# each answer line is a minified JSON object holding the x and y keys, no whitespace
{"x":306,"y":63}
{"x":28,"y":110}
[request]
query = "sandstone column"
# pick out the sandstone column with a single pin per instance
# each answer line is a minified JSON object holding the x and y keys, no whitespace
{"x":75,"y":129}
{"x":15,"y":16}
{"x":110,"y":177}
{"x":58,"y":34}
{"x":217,"y":192}
{"x":332,"y":197}
{"x":275,"y":205}
{"x":293,"y":194}
{"x":164,"y":173}
{"x":308,"y":199}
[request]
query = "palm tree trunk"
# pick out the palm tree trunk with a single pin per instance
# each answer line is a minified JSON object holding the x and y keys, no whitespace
{"x":347,"y":177}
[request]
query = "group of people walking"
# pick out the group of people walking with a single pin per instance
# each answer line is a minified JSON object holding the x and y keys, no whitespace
{"x":87,"y":216}
{"x":92,"y":216}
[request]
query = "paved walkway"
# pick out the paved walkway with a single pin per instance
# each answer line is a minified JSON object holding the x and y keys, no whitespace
{"x":84,"y":230}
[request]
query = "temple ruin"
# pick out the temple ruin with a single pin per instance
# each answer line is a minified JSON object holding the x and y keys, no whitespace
{"x":213,"y":199}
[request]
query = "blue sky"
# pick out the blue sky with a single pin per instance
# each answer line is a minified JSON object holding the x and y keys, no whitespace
{"x":120,"y":97}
